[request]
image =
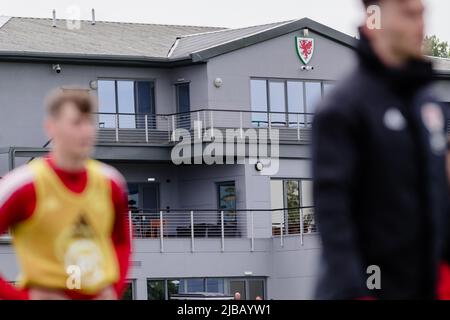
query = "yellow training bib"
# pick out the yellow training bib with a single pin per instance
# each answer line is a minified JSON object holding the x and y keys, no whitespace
{"x":66,"y":243}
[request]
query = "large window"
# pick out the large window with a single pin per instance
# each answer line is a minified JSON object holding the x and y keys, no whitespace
{"x":163,"y":289}
{"x":129,"y":99}
{"x":285,"y":102}
{"x":291,"y":200}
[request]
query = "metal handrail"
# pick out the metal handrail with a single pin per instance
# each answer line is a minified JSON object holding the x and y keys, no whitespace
{"x":202,"y":110}
{"x":162,"y":128}
{"x":203,"y":223}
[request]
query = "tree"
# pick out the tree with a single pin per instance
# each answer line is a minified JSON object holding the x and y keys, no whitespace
{"x":436,"y":48}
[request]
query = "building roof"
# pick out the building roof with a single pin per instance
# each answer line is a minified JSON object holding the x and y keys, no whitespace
{"x":188,"y":44}
{"x":35,"y":39}
{"x":204,"y":47}
{"x":36,"y":35}
{"x":113,"y":42}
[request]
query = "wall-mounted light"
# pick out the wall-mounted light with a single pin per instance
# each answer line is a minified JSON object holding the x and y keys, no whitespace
{"x":306,"y":68}
{"x":218,"y":82}
{"x":305,"y":32}
{"x":259,"y":166}
{"x":248,"y":273}
{"x":93,"y":84}
{"x":151,"y":179}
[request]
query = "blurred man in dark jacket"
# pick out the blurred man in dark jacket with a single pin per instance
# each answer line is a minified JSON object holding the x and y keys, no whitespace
{"x":380,"y":186}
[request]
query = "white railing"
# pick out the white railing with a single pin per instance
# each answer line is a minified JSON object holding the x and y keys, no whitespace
{"x":221,"y":225}
{"x":195,"y":224}
{"x":160,"y":128}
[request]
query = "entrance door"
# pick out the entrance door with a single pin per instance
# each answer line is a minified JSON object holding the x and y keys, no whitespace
{"x":143,"y":202}
{"x":183,"y":105}
{"x":143,"y":197}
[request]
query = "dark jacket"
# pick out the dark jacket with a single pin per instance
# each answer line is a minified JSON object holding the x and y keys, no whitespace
{"x":380,"y":188}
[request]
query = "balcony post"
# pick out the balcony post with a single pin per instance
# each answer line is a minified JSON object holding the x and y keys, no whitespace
{"x":282,"y":231}
{"x":161,"y":231}
{"x":298,"y":127}
{"x":211,"y":117}
{"x":252,"y":232}
{"x":204,"y":119}
{"x":130,"y":228}
{"x":301,"y":226}
{"x":173,"y":128}
{"x":117,"y":127}
{"x":270,"y":121}
{"x":168,"y":128}
{"x":198,"y":126}
{"x":306,"y":120}
{"x":241,"y":130}
{"x":192,"y":232}
{"x":222,"y":229}
{"x":146,"y":128}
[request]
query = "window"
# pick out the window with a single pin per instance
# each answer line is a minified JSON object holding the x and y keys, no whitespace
{"x":174,"y":286}
{"x":195,"y":285}
{"x":295,"y":102}
{"x":328,"y":87}
{"x":215,"y":285}
{"x":258,"y":92}
{"x":313,"y":95}
{"x":156,"y":290}
{"x":163,"y":289}
{"x":277,"y":103}
{"x":129,"y":291}
{"x":227,"y":199}
{"x":256,"y":289}
{"x":295,"y":196}
{"x":129,"y":99}
{"x":285,"y":102}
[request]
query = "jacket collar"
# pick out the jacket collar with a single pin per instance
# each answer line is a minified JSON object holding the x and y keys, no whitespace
{"x":406,"y":80}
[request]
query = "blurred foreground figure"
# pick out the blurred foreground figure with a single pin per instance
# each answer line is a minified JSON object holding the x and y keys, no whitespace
{"x":380,"y":186}
{"x":66,"y":213}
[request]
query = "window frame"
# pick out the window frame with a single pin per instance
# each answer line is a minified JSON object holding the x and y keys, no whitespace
{"x":300,"y":195}
{"x":116,"y":97}
{"x":267,"y":80}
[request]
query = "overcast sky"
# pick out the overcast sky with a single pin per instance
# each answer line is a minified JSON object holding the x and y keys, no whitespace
{"x":343,"y":15}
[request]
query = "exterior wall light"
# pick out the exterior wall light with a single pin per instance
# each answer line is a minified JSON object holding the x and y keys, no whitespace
{"x":93,"y":84}
{"x":307,"y":68}
{"x":218,"y":82}
{"x":259,"y":166}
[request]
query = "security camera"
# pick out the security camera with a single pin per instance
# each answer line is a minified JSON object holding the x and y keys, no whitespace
{"x":307,"y":68}
{"x":56,"y":68}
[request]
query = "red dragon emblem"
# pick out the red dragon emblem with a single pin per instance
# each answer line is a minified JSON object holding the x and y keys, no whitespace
{"x":305,"y":48}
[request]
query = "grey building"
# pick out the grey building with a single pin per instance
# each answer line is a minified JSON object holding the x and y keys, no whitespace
{"x":197,"y":227}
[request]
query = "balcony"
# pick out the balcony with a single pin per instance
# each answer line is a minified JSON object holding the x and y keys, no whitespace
{"x":222,"y":225}
{"x":159,"y":129}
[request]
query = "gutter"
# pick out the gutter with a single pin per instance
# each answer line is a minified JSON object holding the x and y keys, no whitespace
{"x":89,"y":59}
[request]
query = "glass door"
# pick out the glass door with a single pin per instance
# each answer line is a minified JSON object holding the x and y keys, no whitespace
{"x":183,"y":105}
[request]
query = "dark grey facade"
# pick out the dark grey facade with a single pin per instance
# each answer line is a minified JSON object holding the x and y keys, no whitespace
{"x":264,"y":246}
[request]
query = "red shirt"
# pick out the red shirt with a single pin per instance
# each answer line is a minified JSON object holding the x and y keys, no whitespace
{"x":17,"y":203}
